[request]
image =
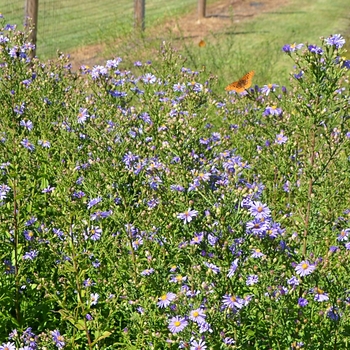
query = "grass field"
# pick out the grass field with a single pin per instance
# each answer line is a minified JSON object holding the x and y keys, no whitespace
{"x":66,"y":25}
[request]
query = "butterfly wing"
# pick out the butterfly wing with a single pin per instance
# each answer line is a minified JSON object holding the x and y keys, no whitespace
{"x":242,"y":84}
{"x":201,"y":43}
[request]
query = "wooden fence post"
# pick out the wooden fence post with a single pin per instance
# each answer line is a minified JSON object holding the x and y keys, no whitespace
{"x":31,"y":18}
{"x":201,"y":9}
{"x":139,"y":14}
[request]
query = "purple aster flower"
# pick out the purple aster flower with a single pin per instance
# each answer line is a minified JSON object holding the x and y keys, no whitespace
{"x":8,"y":346}
{"x":88,"y":317}
{"x":205,"y":327}
{"x":198,"y":237}
{"x":178,"y":278}
{"x":272,"y":110}
{"x":58,"y":339}
{"x":233,"y":268}
{"x":94,"y":298}
{"x":94,"y":233}
{"x":82,"y":115}
{"x":31,"y":255}
{"x":333,"y":314}
{"x":48,"y":189}
{"x":149,"y":78}
{"x":256,"y":253}
{"x":293,"y":281}
{"x":335,"y":40}
{"x":198,"y":345}
{"x":281,"y":138}
{"x":44,"y":143}
{"x":232,"y":302}
{"x":315,"y":49}
{"x":197,"y":316}
{"x":251,"y":280}
{"x":88,"y":283}
{"x":93,"y":202}
{"x":147,"y":272}
{"x":188,"y":215}
{"x":177,"y":324}
{"x":165,"y":299}
{"x":346,"y":64}
{"x":343,"y":235}
{"x":292,"y":48}
{"x":320,"y":295}
{"x":26,"y":124}
{"x":302,"y":302}
{"x":299,"y":75}
{"x":26,"y":144}
{"x":266,"y":89}
{"x":28,"y":235}
{"x":259,"y":210}
{"x":228,"y":341}
{"x":304,"y":268}
{"x":215,"y":269}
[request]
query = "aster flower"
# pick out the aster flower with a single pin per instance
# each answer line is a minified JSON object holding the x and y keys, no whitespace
{"x":198,"y":237}
{"x":233,"y":268}
{"x":266,"y":89}
{"x":149,"y":78}
{"x":251,"y":280}
{"x":93,"y":202}
{"x":281,"y":138}
{"x":259,"y":210}
{"x":335,"y":40}
{"x":198,"y":345}
{"x":94,"y":298}
{"x":293,"y":281}
{"x":177,"y":324}
{"x":205,"y":327}
{"x":147,"y":272}
{"x":272,"y":110}
{"x":8,"y":346}
{"x":320,"y":295}
{"x":292,"y":48}
{"x":166,"y":299}
{"x":232,"y":302}
{"x":82,"y":115}
{"x":58,"y":339}
{"x":197,"y":316}
{"x":212,"y":267}
{"x":315,"y":49}
{"x":188,"y":215}
{"x":256,"y":253}
{"x":26,"y":124}
{"x":343,"y":235}
{"x":302,"y":302}
{"x":28,"y":145}
{"x":304,"y":268}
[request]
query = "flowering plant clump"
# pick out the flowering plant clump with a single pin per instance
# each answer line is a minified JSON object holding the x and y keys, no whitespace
{"x":139,"y":212}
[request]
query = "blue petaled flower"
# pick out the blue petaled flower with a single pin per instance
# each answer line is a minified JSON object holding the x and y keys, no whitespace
{"x":188,"y":215}
{"x":82,"y":115}
{"x":251,"y":280}
{"x":197,"y":316}
{"x":320,"y":295}
{"x":302,"y":302}
{"x":177,"y":324}
{"x":165,"y":299}
{"x":315,"y":49}
{"x":281,"y":138}
{"x":149,"y":78}
{"x":233,"y":268}
{"x":198,"y":345}
{"x":335,"y":40}
{"x":304,"y":268}
{"x":266,"y":89}
{"x":272,"y":110}
{"x":58,"y":339}
{"x":291,"y":48}
{"x":232,"y":302}
{"x":259,"y":210}
{"x":8,"y":346}
{"x":26,"y":144}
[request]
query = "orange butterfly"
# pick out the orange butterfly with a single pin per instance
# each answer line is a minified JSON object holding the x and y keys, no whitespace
{"x":201,"y":43}
{"x":242,"y":84}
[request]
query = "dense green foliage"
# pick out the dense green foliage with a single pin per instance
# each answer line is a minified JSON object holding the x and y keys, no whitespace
{"x":139,"y":210}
